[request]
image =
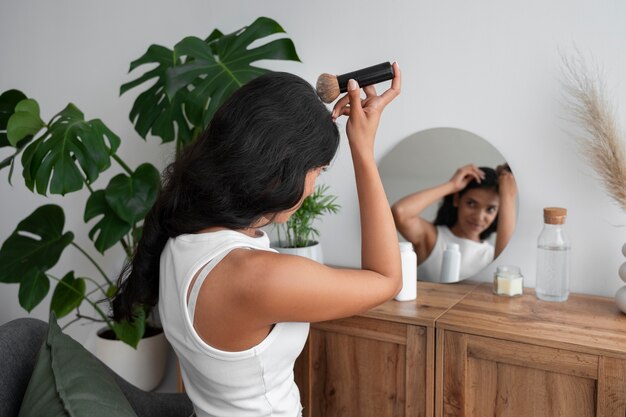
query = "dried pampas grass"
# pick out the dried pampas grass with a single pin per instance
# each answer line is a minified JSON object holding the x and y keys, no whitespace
{"x":602,"y":143}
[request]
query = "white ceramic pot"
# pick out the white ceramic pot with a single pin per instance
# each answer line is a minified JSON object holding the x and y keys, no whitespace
{"x":143,"y":367}
{"x":620,"y":295}
{"x":620,"y":299}
{"x":313,"y":252}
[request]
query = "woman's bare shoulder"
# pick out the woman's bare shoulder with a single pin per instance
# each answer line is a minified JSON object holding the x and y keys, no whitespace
{"x":279,"y":287}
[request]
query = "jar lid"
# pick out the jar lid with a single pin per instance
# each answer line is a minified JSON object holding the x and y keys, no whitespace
{"x":453,"y":246}
{"x":554,"y":215}
{"x":406,"y":246}
{"x":508,"y":271}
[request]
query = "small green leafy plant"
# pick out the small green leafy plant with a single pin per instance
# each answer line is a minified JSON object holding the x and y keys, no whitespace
{"x":68,"y":154}
{"x":298,"y":231}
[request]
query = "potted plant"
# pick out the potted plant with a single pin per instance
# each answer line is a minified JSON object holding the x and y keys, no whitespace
{"x":69,"y":153}
{"x":297,"y":235}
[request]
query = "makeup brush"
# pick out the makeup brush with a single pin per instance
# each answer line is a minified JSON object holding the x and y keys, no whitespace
{"x":330,"y":86}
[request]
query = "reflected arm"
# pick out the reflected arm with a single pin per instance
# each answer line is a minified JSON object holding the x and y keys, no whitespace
{"x":507,"y":215}
{"x":406,"y":212}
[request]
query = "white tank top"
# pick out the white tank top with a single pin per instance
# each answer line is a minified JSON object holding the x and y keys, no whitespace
{"x":475,"y":256}
{"x":255,"y":382}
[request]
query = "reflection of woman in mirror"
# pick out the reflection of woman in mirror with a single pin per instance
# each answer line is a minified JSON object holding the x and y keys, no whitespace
{"x":476,"y":203}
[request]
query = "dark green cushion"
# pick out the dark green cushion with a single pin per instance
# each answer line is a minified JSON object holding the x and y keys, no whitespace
{"x":70,"y":381}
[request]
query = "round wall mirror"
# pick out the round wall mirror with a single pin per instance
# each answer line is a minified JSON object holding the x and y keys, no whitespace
{"x":450,"y":190}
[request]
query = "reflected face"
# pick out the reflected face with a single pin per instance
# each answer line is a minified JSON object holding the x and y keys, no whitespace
{"x":477,"y":210}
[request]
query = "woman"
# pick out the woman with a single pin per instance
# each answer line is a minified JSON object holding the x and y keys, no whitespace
{"x":235,"y":311}
{"x":476,"y":203}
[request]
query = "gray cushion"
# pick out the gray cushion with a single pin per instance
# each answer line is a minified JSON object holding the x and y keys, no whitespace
{"x":70,"y":381}
{"x":20,"y":341}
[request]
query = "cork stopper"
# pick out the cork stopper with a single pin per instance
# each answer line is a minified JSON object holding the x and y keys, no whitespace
{"x":554,"y":215}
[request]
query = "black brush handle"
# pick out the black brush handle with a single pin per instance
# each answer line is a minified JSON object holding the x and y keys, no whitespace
{"x":366,"y":76}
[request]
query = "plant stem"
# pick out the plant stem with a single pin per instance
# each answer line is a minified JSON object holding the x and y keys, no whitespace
{"x":71,"y":322}
{"x":87,"y":184}
{"x":93,"y":262}
{"x":280,"y":241}
{"x":80,"y":316}
{"x":126,"y":247}
{"x":98,"y":286}
{"x":98,"y":310}
{"x":92,"y":291}
{"x":122,"y":164}
{"x":179,"y":146}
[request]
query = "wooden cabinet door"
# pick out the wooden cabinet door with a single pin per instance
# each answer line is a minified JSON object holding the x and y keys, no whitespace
{"x":363,"y":367}
{"x":483,"y":376}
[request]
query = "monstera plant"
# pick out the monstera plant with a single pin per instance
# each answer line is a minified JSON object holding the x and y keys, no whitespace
{"x":68,"y":154}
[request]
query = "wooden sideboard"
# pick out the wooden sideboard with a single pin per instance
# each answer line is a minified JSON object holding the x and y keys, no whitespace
{"x":381,"y":363}
{"x":459,"y":350}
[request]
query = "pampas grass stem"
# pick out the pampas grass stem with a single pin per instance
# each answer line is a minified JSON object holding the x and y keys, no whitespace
{"x":602,"y":142}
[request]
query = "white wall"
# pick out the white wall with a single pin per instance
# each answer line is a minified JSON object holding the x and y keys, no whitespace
{"x":489,"y":67}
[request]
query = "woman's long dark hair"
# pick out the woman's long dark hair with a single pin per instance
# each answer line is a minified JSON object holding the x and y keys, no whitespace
{"x":447,"y":215}
{"x":251,"y":161}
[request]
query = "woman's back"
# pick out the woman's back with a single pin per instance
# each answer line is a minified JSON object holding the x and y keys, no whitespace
{"x":254,"y":165}
{"x":256,"y":381}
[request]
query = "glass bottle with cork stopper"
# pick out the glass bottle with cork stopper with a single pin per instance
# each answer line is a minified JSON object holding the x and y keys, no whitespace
{"x":553,"y":257}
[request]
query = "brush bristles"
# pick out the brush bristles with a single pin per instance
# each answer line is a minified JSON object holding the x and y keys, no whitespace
{"x":327,"y":87}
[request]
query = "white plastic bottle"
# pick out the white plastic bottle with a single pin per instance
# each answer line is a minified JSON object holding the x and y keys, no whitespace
{"x":409,"y":272}
{"x":451,"y":263}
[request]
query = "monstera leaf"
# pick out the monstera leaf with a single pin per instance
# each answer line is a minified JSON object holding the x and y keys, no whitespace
{"x":188,"y":91}
{"x":69,"y":153}
{"x":152,"y":111}
{"x":25,"y":121}
{"x":8,"y":102}
{"x":124,"y":202}
{"x":131,"y":197}
{"x":217,"y":69}
{"x":131,"y":332}
{"x":111,"y":228}
{"x":32,"y":249}
{"x":33,"y":288}
{"x":68,"y":295}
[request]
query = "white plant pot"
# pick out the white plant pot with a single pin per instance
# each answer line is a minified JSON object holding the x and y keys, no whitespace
{"x":620,"y":299}
{"x":313,"y":252}
{"x":622,"y":272}
{"x":620,"y":295}
{"x":143,"y":367}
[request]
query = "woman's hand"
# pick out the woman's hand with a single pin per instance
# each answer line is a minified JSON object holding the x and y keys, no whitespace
{"x":364,"y":114}
{"x":464,"y":176}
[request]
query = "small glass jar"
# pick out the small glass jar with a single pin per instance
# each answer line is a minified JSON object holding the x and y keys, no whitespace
{"x":508,"y":281}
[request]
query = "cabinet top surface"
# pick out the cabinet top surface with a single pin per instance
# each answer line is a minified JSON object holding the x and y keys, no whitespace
{"x":591,"y":322}
{"x":433,"y":300}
